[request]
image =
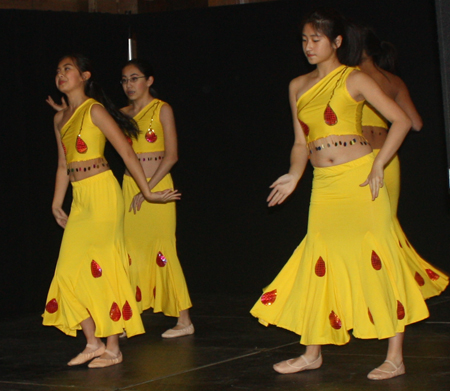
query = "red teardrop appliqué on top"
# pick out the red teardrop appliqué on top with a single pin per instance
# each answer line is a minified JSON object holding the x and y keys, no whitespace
{"x":130,"y":141}
{"x":335,"y":321}
{"x":96,"y":270}
{"x":161,"y":260}
{"x":81,"y":145}
{"x":320,"y":268}
{"x":400,"y":311}
{"x":433,"y":276}
{"x":138,"y":294}
{"x":150,"y":136}
{"x":269,"y":298}
{"x":376,"y":261}
{"x":52,"y":306}
{"x":126,"y":311}
{"x":419,"y":279}
{"x":330,"y":116}
{"x":305,"y":127}
{"x":114,"y":312}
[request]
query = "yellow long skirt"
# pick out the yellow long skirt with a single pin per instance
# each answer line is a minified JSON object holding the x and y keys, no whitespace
{"x":348,"y":272}
{"x":91,"y":277}
{"x":155,"y":271}
{"x":437,"y":281}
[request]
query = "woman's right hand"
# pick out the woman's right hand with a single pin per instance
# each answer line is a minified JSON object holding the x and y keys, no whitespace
{"x":54,"y":105}
{"x":60,"y":216}
{"x":281,"y":189}
{"x":157,"y":197}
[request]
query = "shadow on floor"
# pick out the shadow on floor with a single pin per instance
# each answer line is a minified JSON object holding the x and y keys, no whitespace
{"x":229,"y":351}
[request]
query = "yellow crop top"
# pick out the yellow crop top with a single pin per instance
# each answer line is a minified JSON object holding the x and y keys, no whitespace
{"x":328,"y":109}
{"x":151,"y":138}
{"x":81,"y":139}
{"x":371,"y":117}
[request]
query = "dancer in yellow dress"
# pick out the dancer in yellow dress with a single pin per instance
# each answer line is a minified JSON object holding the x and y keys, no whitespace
{"x":155,"y":271}
{"x":348,"y":272}
{"x":377,"y":60}
{"x":90,"y":289}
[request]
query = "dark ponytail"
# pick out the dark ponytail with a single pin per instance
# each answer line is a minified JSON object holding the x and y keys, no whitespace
{"x":332,"y":24}
{"x":383,"y":54}
{"x":93,"y":90}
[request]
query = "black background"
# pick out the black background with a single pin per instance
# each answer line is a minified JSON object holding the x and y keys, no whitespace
{"x":225,"y":71}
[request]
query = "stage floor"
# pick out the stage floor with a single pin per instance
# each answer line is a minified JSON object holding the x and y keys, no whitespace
{"x":229,"y":351}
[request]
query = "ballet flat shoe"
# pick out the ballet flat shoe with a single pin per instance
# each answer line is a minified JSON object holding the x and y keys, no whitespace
{"x":293,"y":369}
{"x":106,"y":362}
{"x":171,"y":333}
{"x":84,"y":357}
{"x":379,"y":374}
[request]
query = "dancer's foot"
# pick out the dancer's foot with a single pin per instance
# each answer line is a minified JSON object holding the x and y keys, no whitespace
{"x":107,"y":359}
{"x":387,"y":370}
{"x":88,"y":353}
{"x":179,"y":330}
{"x":298,"y":365}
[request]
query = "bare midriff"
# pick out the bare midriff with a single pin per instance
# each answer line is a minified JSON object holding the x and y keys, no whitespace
{"x":333,"y":150}
{"x":375,"y":135}
{"x":150,"y":162}
{"x":80,"y":170}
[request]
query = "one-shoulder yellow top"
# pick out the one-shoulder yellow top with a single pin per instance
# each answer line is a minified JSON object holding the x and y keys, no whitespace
{"x":81,"y":139}
{"x":151,"y":138}
{"x":371,"y":117}
{"x":328,"y":109}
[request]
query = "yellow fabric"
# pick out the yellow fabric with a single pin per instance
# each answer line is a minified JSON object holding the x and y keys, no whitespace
{"x":94,"y":232}
{"x":345,"y":229}
{"x":143,"y":119}
{"x":417,"y":265}
{"x":371,"y":117}
{"x":81,"y":124}
{"x":332,"y":91}
{"x":148,"y":232}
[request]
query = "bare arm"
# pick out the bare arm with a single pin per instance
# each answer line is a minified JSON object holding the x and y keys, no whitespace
{"x":170,"y":145}
{"x":403,"y":99}
{"x":361,"y":86}
{"x":111,"y":130}
{"x":62,"y":179}
{"x":287,"y":183}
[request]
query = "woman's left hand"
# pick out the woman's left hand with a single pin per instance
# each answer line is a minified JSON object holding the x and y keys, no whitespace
{"x":158,"y":197}
{"x":375,"y":180}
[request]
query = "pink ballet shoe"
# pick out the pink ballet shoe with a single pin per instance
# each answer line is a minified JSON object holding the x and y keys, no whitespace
{"x":83,"y":357}
{"x":285,"y":367}
{"x":106,"y":362}
{"x":171,"y":333}
{"x":379,"y":374}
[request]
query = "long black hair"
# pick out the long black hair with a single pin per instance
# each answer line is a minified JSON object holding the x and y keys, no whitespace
{"x":383,"y":53}
{"x":93,"y":90}
{"x":332,"y":24}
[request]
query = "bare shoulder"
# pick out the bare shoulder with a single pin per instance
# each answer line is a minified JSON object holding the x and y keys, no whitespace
{"x":397,"y":83}
{"x":299,"y":85}
{"x":300,"y":81}
{"x":58,"y":118}
{"x":358,"y":76}
{"x":358,"y":79}
{"x":166,"y":109}
{"x":97,"y":109}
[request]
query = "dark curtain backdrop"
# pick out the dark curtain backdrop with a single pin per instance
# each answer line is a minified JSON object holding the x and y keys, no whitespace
{"x":225,"y":71}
